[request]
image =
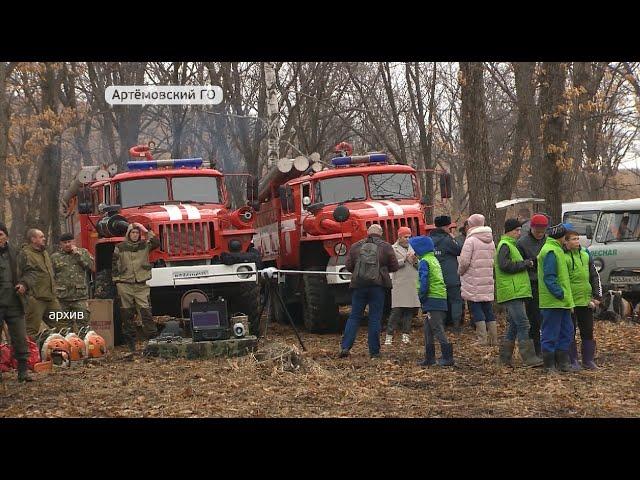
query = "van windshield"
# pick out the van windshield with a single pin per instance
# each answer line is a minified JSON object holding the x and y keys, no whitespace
{"x":581,"y":219}
{"x":619,"y":227}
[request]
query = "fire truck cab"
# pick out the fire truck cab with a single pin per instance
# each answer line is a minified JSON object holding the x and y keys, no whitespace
{"x":296,"y":228}
{"x":204,"y":246}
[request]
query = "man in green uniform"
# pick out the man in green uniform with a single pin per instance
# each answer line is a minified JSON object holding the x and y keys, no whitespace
{"x":11,"y":310}
{"x":131,"y":270}
{"x":70,"y":267}
{"x":35,"y":274}
{"x":556,"y":301}
{"x":512,"y":289}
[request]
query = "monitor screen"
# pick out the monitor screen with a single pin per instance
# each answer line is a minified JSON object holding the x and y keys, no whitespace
{"x":205,"y":319}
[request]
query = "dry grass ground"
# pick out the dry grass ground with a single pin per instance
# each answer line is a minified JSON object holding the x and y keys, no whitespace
{"x":325,"y":386}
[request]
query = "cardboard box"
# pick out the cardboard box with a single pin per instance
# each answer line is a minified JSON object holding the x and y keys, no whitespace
{"x":102,"y":319}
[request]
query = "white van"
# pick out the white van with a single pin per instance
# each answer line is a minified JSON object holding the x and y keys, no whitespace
{"x":616,"y":247}
{"x":582,"y":214}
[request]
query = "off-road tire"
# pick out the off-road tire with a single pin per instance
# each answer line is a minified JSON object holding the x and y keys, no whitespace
{"x":320,"y":311}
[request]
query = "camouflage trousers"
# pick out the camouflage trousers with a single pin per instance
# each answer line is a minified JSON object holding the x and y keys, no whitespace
{"x":37,"y":313}
{"x":80,"y":315}
{"x":15,"y":323}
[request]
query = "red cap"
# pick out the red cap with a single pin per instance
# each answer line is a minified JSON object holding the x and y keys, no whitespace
{"x":404,"y":231}
{"x":539,"y":221}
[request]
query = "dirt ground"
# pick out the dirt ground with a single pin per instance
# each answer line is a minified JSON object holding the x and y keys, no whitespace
{"x":324,"y":386}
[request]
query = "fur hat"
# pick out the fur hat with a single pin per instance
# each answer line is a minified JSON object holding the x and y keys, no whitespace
{"x":511,"y":224}
{"x":442,"y":221}
{"x":374,"y":229}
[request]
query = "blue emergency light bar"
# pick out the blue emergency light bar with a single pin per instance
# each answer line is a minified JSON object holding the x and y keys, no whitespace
{"x":175,"y":163}
{"x":359,"y":159}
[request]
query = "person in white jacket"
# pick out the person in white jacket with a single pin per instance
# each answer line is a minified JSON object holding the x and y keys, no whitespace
{"x":404,"y":295}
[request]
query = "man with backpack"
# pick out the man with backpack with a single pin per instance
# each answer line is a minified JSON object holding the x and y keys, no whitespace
{"x":370,"y":261}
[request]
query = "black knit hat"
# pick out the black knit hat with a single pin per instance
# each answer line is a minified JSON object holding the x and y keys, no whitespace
{"x":66,"y":236}
{"x":557,"y":231}
{"x":3,"y":228}
{"x":442,"y":221}
{"x":511,"y":224}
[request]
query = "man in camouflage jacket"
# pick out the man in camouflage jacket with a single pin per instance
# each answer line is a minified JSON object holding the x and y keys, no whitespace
{"x":70,"y":266}
{"x":37,"y":283}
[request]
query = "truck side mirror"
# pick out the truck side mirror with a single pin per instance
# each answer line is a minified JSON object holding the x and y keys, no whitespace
{"x":589,"y":233}
{"x":445,"y":185}
{"x":85,"y":201}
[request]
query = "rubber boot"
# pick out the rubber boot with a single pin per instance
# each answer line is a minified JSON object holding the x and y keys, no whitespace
{"x":23,"y":372}
{"x":481,"y":333}
{"x":446,"y":360}
{"x":148,"y":325}
{"x":492,"y":329}
{"x":528,"y":354}
{"x":128,"y":328}
{"x":549,"y":362}
{"x":562,"y":360}
{"x":588,"y":354}
{"x":573,"y":356}
{"x":388,"y":341}
{"x":506,"y":353}
{"x":429,"y":355}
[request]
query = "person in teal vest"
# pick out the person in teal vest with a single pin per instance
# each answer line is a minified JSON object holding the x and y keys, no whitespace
{"x":432,"y":292}
{"x":556,"y":301}
{"x":512,"y":289}
{"x":587,"y":294}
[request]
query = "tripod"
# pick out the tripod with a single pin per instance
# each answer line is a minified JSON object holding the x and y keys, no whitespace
{"x":273,"y":298}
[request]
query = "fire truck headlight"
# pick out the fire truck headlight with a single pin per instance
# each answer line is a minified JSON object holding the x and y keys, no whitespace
{"x":244,"y":268}
{"x":235,"y":245}
{"x":344,"y":277}
{"x":598,"y":263}
{"x":340,"y":249}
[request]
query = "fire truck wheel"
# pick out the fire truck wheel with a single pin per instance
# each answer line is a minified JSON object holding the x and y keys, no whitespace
{"x":320,"y":309}
{"x":246,"y":300}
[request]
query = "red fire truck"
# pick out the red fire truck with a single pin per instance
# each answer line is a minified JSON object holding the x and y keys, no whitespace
{"x":296,"y":227}
{"x":186,"y":204}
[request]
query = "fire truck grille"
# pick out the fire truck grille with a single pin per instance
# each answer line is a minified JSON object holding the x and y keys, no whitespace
{"x":390,"y":227}
{"x":180,"y":239}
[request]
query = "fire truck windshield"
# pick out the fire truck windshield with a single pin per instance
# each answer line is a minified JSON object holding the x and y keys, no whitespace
{"x":391,"y":185}
{"x":196,"y":189}
{"x":340,"y":189}
{"x":132,"y":193}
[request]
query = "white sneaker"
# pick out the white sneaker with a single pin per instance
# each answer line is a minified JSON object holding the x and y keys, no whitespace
{"x":405,"y":338}
{"x":388,"y":340}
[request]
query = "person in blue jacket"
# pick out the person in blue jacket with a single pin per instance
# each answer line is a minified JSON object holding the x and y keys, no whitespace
{"x":432,"y":292}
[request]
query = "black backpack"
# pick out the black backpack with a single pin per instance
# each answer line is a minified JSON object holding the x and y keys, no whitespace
{"x":367,"y":267}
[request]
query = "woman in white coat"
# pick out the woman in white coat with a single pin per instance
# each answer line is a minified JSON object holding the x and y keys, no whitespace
{"x":404,"y":294}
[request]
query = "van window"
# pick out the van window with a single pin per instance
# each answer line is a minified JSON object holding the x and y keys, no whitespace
{"x":619,"y":227}
{"x":580,"y":220}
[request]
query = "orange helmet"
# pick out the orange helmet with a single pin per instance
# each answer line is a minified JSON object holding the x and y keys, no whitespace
{"x":55,"y":343}
{"x":95,"y":345}
{"x":77,"y":348}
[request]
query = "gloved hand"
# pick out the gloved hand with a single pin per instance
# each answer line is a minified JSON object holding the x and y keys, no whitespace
{"x":529,"y":263}
{"x":141,"y":227}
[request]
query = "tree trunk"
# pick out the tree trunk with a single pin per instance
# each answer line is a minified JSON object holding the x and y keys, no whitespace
{"x":553,"y":110}
{"x":475,"y":145}
{"x":523,"y":73}
{"x":5,"y":116}
{"x":273,"y":114}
